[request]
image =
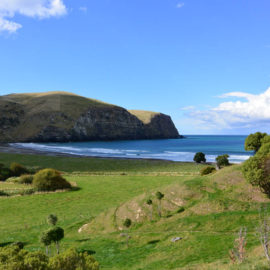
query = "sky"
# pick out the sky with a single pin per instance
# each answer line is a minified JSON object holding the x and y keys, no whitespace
{"x":205,"y":63}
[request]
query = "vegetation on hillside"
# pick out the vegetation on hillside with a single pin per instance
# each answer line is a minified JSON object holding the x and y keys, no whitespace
{"x":199,"y":157}
{"x":257,"y":168}
{"x":141,"y":214}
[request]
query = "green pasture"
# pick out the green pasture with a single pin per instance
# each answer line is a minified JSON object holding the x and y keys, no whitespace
{"x":215,"y":208}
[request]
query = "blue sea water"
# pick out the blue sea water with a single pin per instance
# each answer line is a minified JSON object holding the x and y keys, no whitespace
{"x":172,"y":149}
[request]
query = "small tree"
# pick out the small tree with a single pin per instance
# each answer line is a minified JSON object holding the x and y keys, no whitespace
{"x":150,"y":203}
{"x":199,"y":157}
{"x":264,"y":233}
{"x":46,"y":240}
{"x":254,"y":141}
{"x":222,"y":160}
{"x":127,"y":223}
{"x":52,"y":219}
{"x":159,"y":196}
{"x":56,"y":234}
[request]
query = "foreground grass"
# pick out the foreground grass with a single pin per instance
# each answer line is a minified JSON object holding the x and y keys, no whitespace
{"x":216,"y":207}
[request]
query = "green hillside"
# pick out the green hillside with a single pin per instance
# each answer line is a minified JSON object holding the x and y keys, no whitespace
{"x":63,"y":116}
{"x":206,"y":212}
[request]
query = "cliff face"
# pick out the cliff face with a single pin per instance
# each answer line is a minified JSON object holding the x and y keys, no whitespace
{"x":61,"y":117}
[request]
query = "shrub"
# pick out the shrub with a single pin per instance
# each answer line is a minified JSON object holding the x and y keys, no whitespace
{"x":181,"y":209}
{"x":50,"y":180}
{"x":254,"y":141}
{"x":17,"y":169}
{"x":222,"y":160}
{"x":265,"y":139}
{"x":3,"y":193}
{"x":26,"y":179}
{"x":71,"y":259}
{"x":207,"y":170}
{"x":199,"y":157}
{"x":257,"y":171}
{"x":12,"y":257}
{"x":5,"y":173}
{"x":159,"y":195}
{"x":20,"y":245}
{"x":127,"y":222}
{"x":52,"y":219}
{"x":264,"y":150}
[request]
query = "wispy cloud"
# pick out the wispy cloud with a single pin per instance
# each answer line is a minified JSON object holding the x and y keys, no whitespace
{"x":31,"y":8}
{"x":248,"y":111}
{"x":83,"y":9}
{"x":180,"y":5}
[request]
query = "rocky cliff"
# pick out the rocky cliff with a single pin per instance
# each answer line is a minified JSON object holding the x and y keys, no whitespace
{"x":61,"y":117}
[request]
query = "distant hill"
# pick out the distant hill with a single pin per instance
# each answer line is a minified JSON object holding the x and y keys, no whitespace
{"x":62,"y":116}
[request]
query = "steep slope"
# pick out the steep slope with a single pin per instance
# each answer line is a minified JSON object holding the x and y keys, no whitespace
{"x":62,"y":116}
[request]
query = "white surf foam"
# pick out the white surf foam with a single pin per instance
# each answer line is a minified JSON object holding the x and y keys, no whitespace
{"x":131,"y":153}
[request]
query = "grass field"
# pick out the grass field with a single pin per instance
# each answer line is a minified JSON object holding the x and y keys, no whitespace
{"x":215,"y":208}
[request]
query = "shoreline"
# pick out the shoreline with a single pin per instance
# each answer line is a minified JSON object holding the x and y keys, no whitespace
{"x":9,"y":149}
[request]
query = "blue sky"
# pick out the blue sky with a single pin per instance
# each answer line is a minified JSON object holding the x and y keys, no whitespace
{"x":205,"y":63}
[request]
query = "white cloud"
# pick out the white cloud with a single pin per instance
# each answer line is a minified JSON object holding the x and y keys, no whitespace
{"x":31,"y":8}
{"x":9,"y":26}
{"x":251,"y":111}
{"x":83,"y":9}
{"x":180,"y":5}
{"x":188,"y":108}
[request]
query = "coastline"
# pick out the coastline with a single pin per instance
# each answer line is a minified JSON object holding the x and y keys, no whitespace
{"x":9,"y":149}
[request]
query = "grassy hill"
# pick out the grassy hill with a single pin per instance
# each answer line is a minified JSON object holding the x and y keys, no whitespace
{"x":63,"y":116}
{"x":215,"y":208}
{"x":144,"y":116}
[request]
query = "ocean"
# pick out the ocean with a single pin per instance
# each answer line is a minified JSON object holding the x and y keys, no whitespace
{"x":172,"y":149}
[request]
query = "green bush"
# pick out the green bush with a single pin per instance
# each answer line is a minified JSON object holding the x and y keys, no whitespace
{"x":71,"y":259}
{"x":207,"y":170}
{"x":127,"y":222}
{"x":13,"y":257}
{"x":5,"y":173}
{"x":199,"y":157}
{"x":26,"y":179}
{"x":222,"y":160}
{"x":254,"y":141}
{"x":3,"y":193}
{"x":49,"y":180}
{"x":20,"y":245}
{"x":264,"y":150}
{"x":17,"y":169}
{"x":181,"y":209}
{"x":257,"y":171}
